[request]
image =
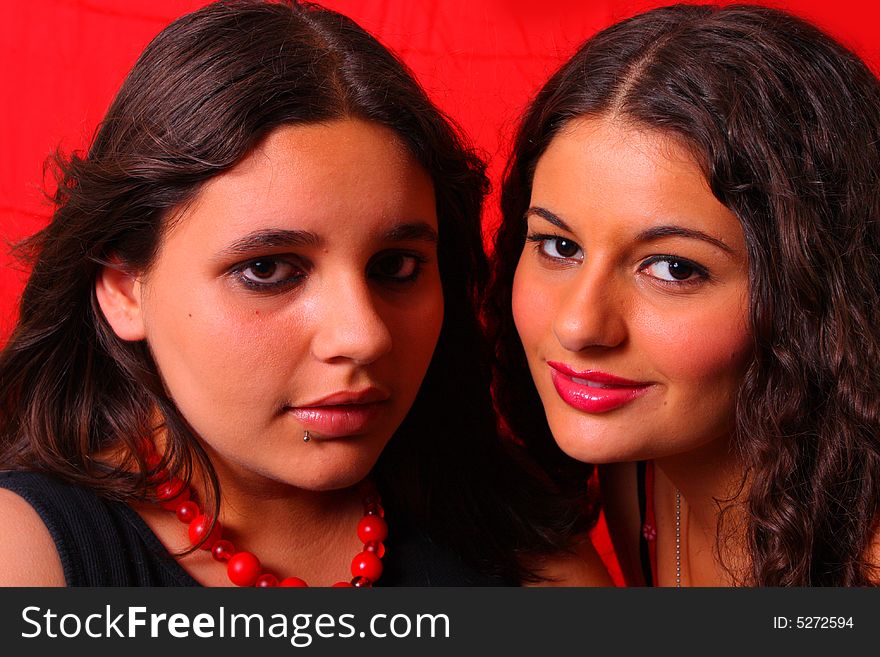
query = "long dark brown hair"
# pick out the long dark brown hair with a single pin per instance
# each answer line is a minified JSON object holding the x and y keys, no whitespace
{"x":202,"y":95}
{"x":786,"y":125}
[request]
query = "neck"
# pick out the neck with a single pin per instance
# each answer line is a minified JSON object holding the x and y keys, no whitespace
{"x":293,"y":531}
{"x":251,"y":505}
{"x":708,"y":480}
{"x":706,"y":477}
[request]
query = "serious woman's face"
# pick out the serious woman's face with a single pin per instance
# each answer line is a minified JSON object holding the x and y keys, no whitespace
{"x":300,"y":292}
{"x":631,"y":295}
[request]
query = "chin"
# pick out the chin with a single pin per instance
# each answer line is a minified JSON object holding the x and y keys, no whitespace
{"x":589,"y":444}
{"x":585,"y":455}
{"x":335,"y":474}
{"x":339,"y":482}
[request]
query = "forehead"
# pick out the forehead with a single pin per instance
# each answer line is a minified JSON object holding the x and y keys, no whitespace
{"x":600,"y":170}
{"x":609,"y":150}
{"x":347,"y":175}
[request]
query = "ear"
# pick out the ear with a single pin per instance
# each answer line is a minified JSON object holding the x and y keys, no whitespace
{"x":119,"y":295}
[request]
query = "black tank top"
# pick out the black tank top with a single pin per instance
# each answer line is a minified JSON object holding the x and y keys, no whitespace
{"x":106,"y":543}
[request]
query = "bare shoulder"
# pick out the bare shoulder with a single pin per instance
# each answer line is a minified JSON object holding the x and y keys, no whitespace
{"x":27,"y":552}
{"x":581,"y":567}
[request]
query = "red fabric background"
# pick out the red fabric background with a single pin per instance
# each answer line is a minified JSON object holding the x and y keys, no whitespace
{"x":61,"y":61}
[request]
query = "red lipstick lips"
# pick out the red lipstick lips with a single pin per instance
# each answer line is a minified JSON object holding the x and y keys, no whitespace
{"x":341,"y":414}
{"x":591,"y":391}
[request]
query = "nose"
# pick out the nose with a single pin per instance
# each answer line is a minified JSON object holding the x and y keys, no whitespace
{"x":350,"y":326}
{"x":591,"y":312}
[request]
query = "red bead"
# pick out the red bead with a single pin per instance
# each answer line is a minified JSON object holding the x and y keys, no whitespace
{"x":375,"y":547}
{"x":172,"y":493}
{"x":372,"y":528}
{"x":198,"y":529}
{"x":222,"y":550}
{"x":266,"y":581}
{"x":243,"y":569}
{"x":368,"y":565}
{"x":293,"y":582}
{"x":187,"y":512}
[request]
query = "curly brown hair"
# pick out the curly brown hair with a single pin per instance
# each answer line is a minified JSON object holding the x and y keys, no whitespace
{"x":785,"y":123}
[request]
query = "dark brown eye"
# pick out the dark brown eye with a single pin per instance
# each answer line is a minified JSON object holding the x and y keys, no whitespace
{"x":680,"y":270}
{"x":266,"y":273}
{"x":566,"y":248}
{"x":263,"y":269}
{"x":396,"y":267}
{"x":560,"y":247}
{"x":674,"y":270}
{"x":390,"y":265}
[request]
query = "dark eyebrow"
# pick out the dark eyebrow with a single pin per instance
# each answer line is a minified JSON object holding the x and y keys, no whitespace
{"x":417,"y":231}
{"x":658,"y":232}
{"x":548,"y":216}
{"x":271,"y":238}
{"x":647,"y":235}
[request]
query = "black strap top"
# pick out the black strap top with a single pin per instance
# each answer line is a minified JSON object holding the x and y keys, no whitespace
{"x":106,"y":543}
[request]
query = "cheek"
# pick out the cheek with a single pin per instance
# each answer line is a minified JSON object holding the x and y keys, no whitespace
{"x":706,"y":348}
{"x":210,"y":335}
{"x":532,"y":306}
{"x":211,"y":352}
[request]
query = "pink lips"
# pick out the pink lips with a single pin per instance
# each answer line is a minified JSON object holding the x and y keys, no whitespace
{"x":591,"y":391}
{"x":341,"y":414}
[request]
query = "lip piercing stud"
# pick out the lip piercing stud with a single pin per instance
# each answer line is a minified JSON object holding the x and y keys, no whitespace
{"x":306,"y":437}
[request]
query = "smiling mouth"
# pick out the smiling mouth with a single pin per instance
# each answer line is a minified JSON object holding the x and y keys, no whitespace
{"x":594,"y":391}
{"x":596,"y":384}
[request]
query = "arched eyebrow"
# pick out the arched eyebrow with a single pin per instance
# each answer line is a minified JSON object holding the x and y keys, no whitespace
{"x":658,"y":232}
{"x":545,"y":214}
{"x":647,"y":235}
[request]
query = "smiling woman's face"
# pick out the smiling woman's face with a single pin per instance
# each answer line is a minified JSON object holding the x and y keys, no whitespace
{"x":300,"y":291}
{"x":631,"y":295}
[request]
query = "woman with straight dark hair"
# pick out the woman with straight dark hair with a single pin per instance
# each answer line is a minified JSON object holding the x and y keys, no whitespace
{"x":251,"y":316}
{"x":686,"y":290}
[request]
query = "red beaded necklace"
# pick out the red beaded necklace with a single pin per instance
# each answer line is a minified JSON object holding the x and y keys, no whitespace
{"x":244,"y":568}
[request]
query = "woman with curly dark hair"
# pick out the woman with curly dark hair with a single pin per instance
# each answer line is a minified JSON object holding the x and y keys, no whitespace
{"x":690,"y":248}
{"x":257,"y":294}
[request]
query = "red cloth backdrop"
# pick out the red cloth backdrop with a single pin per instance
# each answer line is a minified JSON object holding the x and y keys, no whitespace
{"x":61,"y":61}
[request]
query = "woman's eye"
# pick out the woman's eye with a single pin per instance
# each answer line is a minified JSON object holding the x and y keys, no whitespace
{"x":559,"y":247}
{"x":397,"y":267}
{"x":556,"y":247}
{"x":674,"y":270}
{"x":265,"y":273}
